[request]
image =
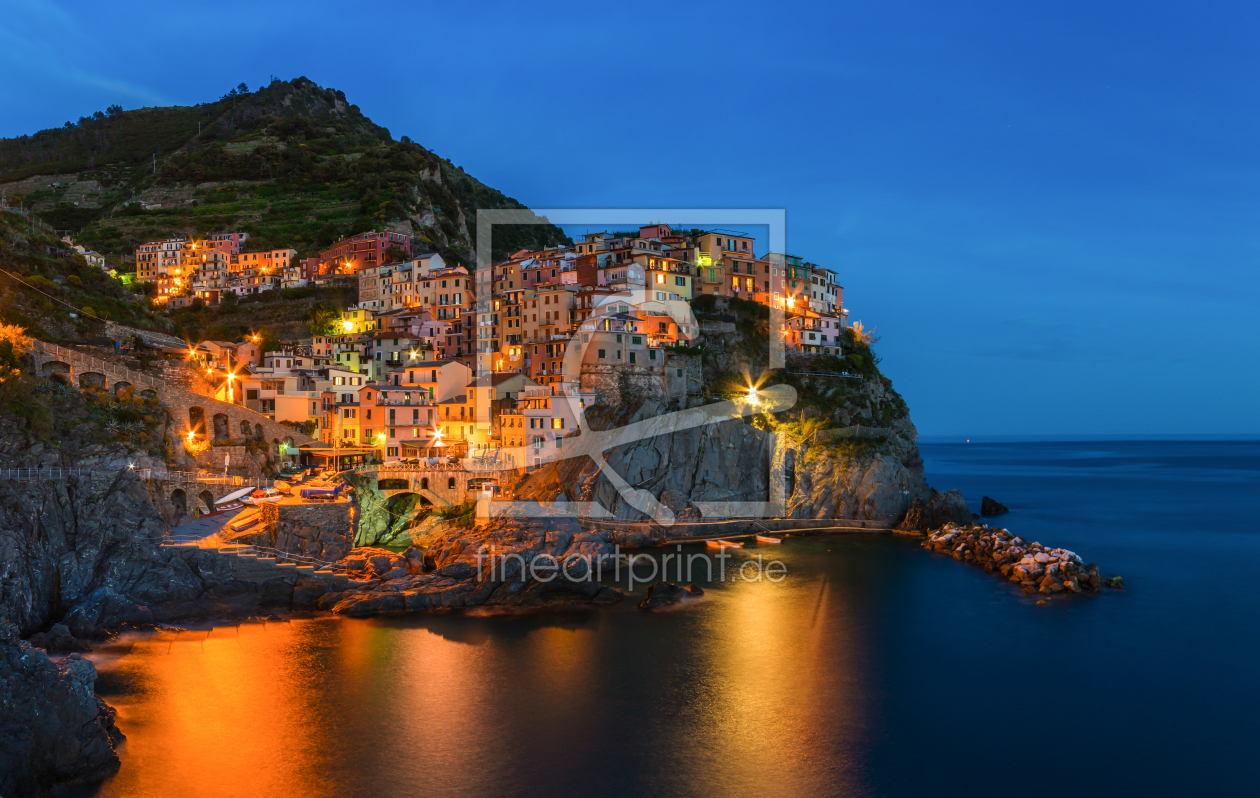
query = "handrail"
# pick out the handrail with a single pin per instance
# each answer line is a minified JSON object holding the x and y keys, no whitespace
{"x":44,"y":473}
{"x":54,"y":473}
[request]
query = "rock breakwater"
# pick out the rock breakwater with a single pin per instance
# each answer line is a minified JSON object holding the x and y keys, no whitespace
{"x":1031,"y":565}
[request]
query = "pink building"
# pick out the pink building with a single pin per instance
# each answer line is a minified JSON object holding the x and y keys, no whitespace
{"x":361,"y":251}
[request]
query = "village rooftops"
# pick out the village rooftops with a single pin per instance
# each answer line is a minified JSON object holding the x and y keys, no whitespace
{"x":496,"y":379}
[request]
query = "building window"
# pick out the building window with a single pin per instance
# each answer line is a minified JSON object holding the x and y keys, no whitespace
{"x":557,"y":423}
{"x":601,"y":354}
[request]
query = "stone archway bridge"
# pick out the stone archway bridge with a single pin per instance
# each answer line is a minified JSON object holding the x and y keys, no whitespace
{"x":439,"y":485}
{"x":209,"y":417}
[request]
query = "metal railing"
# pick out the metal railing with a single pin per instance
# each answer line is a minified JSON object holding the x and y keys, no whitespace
{"x":44,"y":473}
{"x":143,"y":473}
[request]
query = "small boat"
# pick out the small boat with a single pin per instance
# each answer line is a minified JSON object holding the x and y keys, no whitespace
{"x":767,"y":539}
{"x":723,"y":544}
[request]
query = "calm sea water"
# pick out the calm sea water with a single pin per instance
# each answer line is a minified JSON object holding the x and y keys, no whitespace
{"x":875,"y":668}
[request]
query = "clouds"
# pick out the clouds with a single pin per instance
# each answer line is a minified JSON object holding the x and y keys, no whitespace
{"x":57,"y":56}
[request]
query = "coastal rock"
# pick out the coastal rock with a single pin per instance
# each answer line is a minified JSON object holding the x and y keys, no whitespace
{"x":936,"y":510}
{"x":664,"y":594}
{"x":517,"y":563}
{"x":990,"y":507}
{"x":457,"y":570}
{"x":55,"y":730}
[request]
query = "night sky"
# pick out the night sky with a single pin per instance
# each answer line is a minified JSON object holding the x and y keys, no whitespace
{"x":1047,"y":210}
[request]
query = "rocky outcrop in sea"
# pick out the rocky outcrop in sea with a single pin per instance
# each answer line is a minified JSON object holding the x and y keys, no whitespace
{"x":1031,"y":565}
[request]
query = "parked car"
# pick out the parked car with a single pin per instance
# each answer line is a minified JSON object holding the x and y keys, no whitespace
{"x":263,"y":496}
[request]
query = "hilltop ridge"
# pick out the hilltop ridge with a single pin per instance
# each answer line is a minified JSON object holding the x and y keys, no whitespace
{"x":291,"y":163}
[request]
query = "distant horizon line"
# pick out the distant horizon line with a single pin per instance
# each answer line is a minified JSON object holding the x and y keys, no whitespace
{"x":1088,"y":437}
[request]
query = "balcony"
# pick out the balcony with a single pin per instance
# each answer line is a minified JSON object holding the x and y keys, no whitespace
{"x":414,"y":401}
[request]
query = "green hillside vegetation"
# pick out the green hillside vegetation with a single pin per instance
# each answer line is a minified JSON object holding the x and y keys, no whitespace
{"x":39,"y":291}
{"x":292,"y":164}
{"x":277,"y":316}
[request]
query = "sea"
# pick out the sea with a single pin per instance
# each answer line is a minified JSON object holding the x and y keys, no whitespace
{"x":867,"y":666}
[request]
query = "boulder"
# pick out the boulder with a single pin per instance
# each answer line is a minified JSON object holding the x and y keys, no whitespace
{"x":991,"y":507}
{"x":663,"y":594}
{"x":457,"y":570}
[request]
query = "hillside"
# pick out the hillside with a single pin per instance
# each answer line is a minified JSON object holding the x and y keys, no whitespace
{"x":42,"y":284}
{"x":292,"y":164}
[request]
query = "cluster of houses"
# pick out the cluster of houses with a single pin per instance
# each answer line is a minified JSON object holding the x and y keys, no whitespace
{"x":495,"y":364}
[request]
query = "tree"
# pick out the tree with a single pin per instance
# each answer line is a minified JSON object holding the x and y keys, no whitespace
{"x":241,"y":88}
{"x":860,"y":334}
{"x":14,"y":342}
{"x":323,"y":319}
{"x":396,"y":254}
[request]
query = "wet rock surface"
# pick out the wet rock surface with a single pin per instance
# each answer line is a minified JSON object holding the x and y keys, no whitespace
{"x":1034,"y":567}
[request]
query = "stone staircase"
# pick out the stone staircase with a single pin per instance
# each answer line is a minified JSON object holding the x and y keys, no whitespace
{"x":250,"y":565}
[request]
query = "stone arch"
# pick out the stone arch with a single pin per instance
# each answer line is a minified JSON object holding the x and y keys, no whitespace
{"x":275,"y":447}
{"x":288,"y":444}
{"x":206,"y":498}
{"x":245,"y":428}
{"x":197,"y":419}
{"x":450,"y":483}
{"x":55,"y":367}
{"x":179,"y":500}
{"x":424,"y":483}
{"x":93,"y":379}
{"x":222,"y":429}
{"x":149,"y":393}
{"x":123,"y":390}
{"x":258,"y":431}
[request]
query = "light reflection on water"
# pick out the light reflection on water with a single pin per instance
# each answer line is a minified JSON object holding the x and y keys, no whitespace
{"x":875,"y":668}
{"x":729,"y":691}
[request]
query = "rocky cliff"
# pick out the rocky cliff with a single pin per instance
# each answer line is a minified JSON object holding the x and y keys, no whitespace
{"x":79,"y":559}
{"x":54,"y":730}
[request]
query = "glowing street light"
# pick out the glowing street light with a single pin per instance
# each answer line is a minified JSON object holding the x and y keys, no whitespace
{"x":349,"y":325}
{"x":752,"y":396}
{"x":192,"y":434}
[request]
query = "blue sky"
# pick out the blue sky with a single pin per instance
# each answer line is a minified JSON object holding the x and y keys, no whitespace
{"x":1048,"y":210}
